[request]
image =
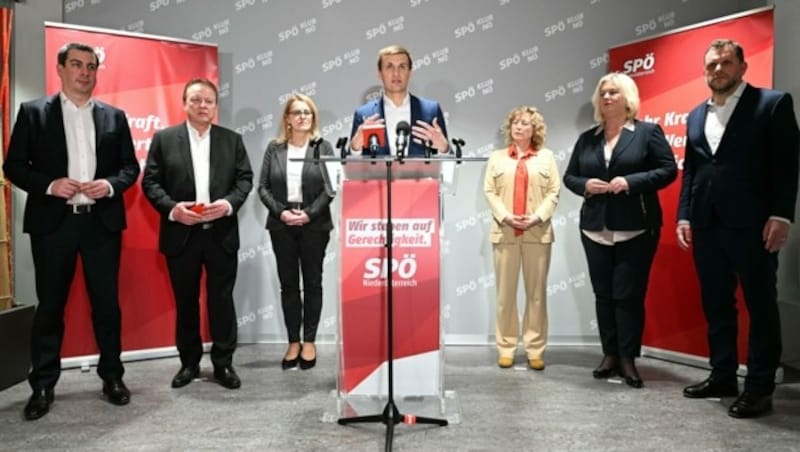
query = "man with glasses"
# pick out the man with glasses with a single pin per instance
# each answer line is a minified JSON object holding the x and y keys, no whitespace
{"x":197,"y":177}
{"x":396,"y":105}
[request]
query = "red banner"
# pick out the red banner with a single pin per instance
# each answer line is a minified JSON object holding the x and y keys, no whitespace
{"x":143,"y":75}
{"x":364,"y":288}
{"x":668,"y":70}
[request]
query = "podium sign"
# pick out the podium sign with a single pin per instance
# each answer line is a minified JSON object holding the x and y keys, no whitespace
{"x":363,"y":285}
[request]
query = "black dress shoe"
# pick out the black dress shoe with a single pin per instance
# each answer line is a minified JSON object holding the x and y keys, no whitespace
{"x":607,"y":367}
{"x":750,"y":405}
{"x":116,"y":391}
{"x":185,"y":376}
{"x":306,"y":364}
{"x":39,"y":404}
{"x":601,"y":373}
{"x":628,"y":372}
{"x":712,"y":388}
{"x":633,"y":381}
{"x":291,"y":363}
{"x":227,"y":377}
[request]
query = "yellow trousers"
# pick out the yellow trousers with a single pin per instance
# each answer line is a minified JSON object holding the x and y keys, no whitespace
{"x":534,"y":261}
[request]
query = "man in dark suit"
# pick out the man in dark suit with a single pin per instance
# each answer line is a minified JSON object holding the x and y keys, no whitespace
{"x":198,"y":176}
{"x":736,"y":205}
{"x":74,"y":157}
{"x":395,"y":105}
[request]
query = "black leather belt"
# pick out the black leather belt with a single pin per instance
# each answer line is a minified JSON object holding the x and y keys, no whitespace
{"x":79,"y":209}
{"x":294,"y":205}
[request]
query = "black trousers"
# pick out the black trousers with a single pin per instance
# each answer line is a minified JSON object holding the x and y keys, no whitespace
{"x":185,"y":271}
{"x":723,"y":257}
{"x":54,"y":259}
{"x":297,"y":249}
{"x":619,"y":275}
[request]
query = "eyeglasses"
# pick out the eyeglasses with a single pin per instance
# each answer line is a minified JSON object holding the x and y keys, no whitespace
{"x":297,"y":113}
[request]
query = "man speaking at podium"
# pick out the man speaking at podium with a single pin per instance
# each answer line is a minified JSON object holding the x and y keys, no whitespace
{"x":395,"y":107}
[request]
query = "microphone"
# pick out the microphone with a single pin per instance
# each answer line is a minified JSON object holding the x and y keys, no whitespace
{"x":314,"y":143}
{"x":458,"y":142}
{"x":429,"y":150}
{"x":403,"y":130}
{"x":341,"y":144}
{"x":373,"y":143}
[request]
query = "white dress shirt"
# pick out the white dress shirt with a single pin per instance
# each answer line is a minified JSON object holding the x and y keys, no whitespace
{"x":294,"y":171}
{"x":718,"y":116}
{"x":393,"y":115}
{"x":200,"y":145}
{"x":80,"y":135}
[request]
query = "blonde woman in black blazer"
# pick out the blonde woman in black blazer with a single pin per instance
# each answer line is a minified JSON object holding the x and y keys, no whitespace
{"x":297,"y":196}
{"x":617,"y":167}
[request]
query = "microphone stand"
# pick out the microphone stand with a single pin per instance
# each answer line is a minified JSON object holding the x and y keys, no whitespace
{"x":391,"y":415}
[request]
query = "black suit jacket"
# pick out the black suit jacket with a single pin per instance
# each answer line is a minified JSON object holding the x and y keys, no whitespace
{"x":37,"y":155}
{"x":169,"y":178}
{"x":643,"y":157}
{"x":316,"y":188}
{"x":753,"y":174}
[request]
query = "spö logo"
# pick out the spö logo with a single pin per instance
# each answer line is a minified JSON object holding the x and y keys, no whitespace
{"x":405,"y":268}
{"x":640,"y":66}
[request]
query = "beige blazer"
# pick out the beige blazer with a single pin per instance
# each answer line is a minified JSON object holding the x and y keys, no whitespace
{"x":544,"y":185}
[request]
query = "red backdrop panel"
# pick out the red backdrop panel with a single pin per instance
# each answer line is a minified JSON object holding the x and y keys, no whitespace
{"x":144,"y":76}
{"x":668,"y":70}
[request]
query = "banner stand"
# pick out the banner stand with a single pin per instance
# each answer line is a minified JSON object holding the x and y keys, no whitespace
{"x":669,"y":88}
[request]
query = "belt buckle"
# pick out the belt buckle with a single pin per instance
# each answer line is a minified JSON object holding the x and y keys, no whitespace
{"x":206,"y":226}
{"x":78,"y":209}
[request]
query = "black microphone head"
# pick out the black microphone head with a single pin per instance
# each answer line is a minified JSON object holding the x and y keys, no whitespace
{"x":403,"y":128}
{"x":315,"y":141}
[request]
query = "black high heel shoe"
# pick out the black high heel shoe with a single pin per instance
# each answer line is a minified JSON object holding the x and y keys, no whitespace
{"x":306,"y":364}
{"x":607,"y":367}
{"x":628,"y":372}
{"x":291,"y":363}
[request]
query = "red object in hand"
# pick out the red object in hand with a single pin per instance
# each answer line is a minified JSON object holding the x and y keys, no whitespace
{"x":198,"y":208}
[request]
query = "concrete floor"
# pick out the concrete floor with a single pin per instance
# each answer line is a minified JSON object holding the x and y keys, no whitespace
{"x":561,"y":408}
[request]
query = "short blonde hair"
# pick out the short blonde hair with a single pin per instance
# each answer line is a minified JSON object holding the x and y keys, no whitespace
{"x":628,"y":89}
{"x":537,"y":121}
{"x":287,"y":108}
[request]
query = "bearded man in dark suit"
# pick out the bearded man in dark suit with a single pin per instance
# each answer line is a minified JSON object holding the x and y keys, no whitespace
{"x":736,"y":205}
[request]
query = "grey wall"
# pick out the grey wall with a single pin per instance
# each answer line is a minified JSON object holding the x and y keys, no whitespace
{"x":478,"y":58}
{"x":787,"y":66}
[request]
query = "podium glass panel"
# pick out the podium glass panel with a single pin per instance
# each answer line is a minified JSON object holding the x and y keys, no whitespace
{"x":362,"y":380}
